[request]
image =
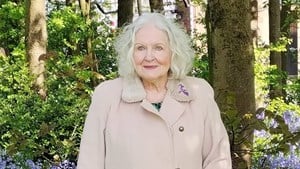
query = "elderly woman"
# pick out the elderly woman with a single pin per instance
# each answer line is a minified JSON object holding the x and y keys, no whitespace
{"x":154,"y":116}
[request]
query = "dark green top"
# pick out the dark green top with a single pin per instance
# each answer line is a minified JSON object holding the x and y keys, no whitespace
{"x":157,"y":105}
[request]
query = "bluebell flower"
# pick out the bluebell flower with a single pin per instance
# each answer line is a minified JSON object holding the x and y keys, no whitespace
{"x":292,"y":120}
{"x":33,"y":165}
{"x":261,"y":115}
{"x":261,"y":133}
{"x":65,"y":165}
{"x":273,"y":123}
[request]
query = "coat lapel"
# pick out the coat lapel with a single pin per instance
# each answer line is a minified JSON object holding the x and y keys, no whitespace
{"x":171,"y":110}
{"x":173,"y":106}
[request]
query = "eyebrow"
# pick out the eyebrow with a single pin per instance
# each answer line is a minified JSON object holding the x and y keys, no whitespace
{"x":159,"y":43}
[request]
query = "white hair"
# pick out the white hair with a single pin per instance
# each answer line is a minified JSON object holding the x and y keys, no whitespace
{"x":180,"y":45}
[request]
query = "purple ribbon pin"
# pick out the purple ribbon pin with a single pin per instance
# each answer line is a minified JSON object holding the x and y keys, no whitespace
{"x":183,"y":90}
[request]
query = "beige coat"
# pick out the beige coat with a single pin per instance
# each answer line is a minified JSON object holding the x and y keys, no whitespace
{"x":124,"y":131}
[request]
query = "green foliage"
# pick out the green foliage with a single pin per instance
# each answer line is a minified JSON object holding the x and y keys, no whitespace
{"x":279,"y":131}
{"x":267,"y":75}
{"x":293,"y":90}
{"x":274,"y":134}
{"x":104,"y":49}
{"x":11,"y":20}
{"x":34,"y":127}
{"x":17,"y":100}
{"x":49,"y":129}
{"x":292,"y":15}
{"x":200,"y":67}
{"x":68,"y":33}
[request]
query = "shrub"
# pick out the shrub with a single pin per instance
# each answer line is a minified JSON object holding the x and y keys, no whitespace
{"x":48,"y":131}
{"x":277,"y":144}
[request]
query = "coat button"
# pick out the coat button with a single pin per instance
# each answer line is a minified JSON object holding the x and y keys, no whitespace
{"x":181,"y":128}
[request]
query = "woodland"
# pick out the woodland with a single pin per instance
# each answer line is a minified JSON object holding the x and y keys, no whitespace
{"x":53,"y":53}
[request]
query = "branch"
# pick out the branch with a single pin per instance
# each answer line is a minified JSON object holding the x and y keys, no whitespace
{"x":101,"y":9}
{"x":186,"y":3}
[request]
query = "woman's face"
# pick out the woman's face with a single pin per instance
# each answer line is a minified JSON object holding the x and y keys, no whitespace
{"x":152,"y":54}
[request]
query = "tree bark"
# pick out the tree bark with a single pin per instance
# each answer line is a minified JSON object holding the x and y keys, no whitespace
{"x":254,"y":20}
{"x":232,"y":58}
{"x":139,"y":8}
{"x":183,"y":11}
{"x":156,"y":5}
{"x":85,"y":6}
{"x":2,"y":52}
{"x":125,"y":12}
{"x":274,"y":35}
{"x":70,"y":2}
{"x":285,"y":23}
{"x":36,"y":41}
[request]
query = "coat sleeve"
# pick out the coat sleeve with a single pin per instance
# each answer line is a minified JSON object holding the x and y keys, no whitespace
{"x":216,"y":147}
{"x":92,"y":145}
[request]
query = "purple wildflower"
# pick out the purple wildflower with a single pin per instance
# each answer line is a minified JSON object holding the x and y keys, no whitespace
{"x":261,"y":115}
{"x":261,"y":133}
{"x":32,"y":165}
{"x":292,"y":120}
{"x":65,"y":165}
{"x":273,"y":123}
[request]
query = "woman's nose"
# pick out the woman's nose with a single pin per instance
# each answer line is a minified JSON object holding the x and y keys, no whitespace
{"x":149,"y":55}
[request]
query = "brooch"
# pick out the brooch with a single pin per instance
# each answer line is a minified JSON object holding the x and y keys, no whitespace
{"x":183,"y":90}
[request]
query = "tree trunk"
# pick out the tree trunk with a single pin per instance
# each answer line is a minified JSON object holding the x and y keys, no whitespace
{"x":139,"y":7}
{"x":125,"y":12}
{"x":70,"y":2}
{"x":285,"y":29}
{"x":254,"y":20}
{"x":85,"y":6}
{"x":36,"y":41}
{"x":231,"y":57}
{"x":285,"y":23}
{"x":2,"y":52}
{"x":156,"y":5}
{"x":183,"y":11}
{"x":274,"y":35}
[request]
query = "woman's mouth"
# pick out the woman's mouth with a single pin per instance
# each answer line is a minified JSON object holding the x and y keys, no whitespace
{"x":150,"y":67}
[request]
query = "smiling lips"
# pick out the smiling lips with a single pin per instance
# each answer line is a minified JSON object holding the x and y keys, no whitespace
{"x":150,"y":66}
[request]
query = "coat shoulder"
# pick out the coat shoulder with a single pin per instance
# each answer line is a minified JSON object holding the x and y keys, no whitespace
{"x":199,"y":86}
{"x":109,"y":87}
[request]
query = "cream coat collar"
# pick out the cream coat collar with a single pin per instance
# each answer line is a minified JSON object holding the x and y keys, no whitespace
{"x":133,"y":90}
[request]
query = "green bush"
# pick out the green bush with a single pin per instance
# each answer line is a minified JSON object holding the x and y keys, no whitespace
{"x":49,"y":129}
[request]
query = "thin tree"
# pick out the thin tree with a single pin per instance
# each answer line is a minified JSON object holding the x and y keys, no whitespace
{"x":36,"y":41}
{"x":183,"y":14}
{"x":125,"y":12}
{"x":2,"y":52}
{"x":139,"y":7}
{"x":285,"y":30}
{"x":70,"y":2}
{"x":232,"y":67}
{"x":274,"y":35}
{"x":85,"y":6}
{"x":156,"y":5}
{"x":288,"y":17}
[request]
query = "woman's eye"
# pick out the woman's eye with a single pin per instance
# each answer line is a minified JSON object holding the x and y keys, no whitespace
{"x":140,"y":48}
{"x":159,"y":48}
